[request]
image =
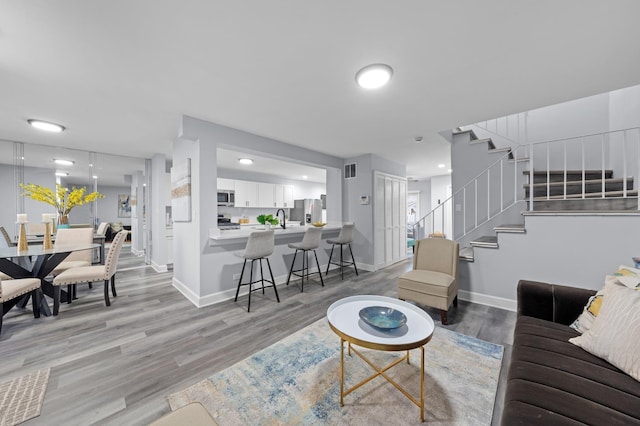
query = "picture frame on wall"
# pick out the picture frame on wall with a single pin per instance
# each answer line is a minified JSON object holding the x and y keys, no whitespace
{"x":124,"y":205}
{"x":181,"y":191}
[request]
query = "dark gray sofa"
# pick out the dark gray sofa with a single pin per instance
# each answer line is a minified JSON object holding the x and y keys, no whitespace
{"x":553,"y":382}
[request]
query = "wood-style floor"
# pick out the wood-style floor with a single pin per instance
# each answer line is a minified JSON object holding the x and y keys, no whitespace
{"x":116,"y":365}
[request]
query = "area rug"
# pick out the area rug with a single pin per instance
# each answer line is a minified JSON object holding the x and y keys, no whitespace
{"x":297,"y":381}
{"x":21,"y":398}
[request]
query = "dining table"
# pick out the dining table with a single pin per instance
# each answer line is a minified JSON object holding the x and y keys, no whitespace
{"x":97,"y":238}
{"x":36,"y":262}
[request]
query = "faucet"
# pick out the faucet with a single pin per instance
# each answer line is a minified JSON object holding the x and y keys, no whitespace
{"x":283,"y":221}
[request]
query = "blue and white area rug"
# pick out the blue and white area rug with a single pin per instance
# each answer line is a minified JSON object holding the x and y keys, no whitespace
{"x":297,"y":381}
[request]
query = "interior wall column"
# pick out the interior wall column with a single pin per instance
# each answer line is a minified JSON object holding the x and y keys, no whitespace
{"x":137,"y":219}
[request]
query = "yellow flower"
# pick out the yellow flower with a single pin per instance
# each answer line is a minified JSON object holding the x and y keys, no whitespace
{"x":62,"y":199}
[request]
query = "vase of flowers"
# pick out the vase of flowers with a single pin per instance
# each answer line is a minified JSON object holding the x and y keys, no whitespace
{"x":267,"y":220}
{"x":62,"y":199}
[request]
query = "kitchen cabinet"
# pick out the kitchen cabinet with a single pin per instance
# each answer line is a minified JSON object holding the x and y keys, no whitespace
{"x":246,"y":194}
{"x":266,"y":193}
{"x":283,"y":196}
{"x":226,"y":184}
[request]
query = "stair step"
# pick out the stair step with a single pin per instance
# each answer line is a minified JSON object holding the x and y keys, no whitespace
{"x":609,"y":194}
{"x":517,"y":228}
{"x":486,"y":241}
{"x":587,"y":204}
{"x":466,"y":254}
{"x":540,"y":176}
{"x":460,"y":131}
{"x":485,"y":140}
{"x":575,"y":187}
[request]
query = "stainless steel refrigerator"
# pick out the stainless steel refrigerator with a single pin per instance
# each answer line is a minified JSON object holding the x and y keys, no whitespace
{"x":306,"y":211}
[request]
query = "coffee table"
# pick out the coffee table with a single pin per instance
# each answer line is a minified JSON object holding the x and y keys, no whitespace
{"x":344,"y":320}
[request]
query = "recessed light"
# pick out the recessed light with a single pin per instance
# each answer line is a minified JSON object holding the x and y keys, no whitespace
{"x":63,"y":162}
{"x":374,"y":76}
{"x":95,"y":177}
{"x":245,"y":161}
{"x":441,"y":166}
{"x":62,"y":174}
{"x":418,"y":139}
{"x":45,"y":125}
{"x":450,"y":170}
{"x":305,"y":177}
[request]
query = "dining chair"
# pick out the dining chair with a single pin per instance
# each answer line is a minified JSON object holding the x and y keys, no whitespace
{"x":310,"y":242}
{"x":71,"y":236}
{"x":12,"y":290}
{"x":102,"y":228}
{"x":6,"y":237}
{"x":89,"y":274}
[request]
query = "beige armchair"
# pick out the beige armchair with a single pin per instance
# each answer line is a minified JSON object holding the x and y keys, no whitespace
{"x":65,"y":237}
{"x":89,"y":274}
{"x":434,"y":279}
{"x":11,"y":291}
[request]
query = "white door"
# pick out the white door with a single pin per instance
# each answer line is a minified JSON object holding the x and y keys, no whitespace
{"x":379,"y":222}
{"x":390,"y":221}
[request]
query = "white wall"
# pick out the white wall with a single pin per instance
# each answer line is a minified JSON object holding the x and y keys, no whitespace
{"x":160,"y":199}
{"x":107,"y":206}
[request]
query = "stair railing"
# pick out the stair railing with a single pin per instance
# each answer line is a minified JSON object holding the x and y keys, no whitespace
{"x":502,"y":185}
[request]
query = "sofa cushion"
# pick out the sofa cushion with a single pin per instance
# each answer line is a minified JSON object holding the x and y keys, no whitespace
{"x":615,"y":333}
{"x":551,"y":381}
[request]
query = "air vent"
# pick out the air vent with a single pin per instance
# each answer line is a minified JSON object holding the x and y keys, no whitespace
{"x":350,"y":171}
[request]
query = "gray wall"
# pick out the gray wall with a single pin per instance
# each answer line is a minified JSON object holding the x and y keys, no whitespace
{"x":107,"y":207}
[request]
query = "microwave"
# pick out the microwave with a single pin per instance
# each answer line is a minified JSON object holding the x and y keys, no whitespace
{"x":226,"y":198}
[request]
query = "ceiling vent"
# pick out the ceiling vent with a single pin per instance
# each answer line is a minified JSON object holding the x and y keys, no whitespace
{"x":350,"y":171}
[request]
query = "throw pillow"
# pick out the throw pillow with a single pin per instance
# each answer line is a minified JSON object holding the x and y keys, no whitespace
{"x":615,"y":333}
{"x":626,"y":275}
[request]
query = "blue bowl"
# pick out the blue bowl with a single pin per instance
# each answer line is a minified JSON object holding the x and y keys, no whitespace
{"x":382,"y":317}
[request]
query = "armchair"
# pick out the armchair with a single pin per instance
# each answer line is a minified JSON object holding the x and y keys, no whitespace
{"x":434,"y":279}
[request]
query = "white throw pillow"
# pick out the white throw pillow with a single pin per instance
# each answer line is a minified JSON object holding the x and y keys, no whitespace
{"x":615,"y":332}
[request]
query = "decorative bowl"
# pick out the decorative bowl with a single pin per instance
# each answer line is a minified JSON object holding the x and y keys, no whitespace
{"x":318,"y":224}
{"x":382,"y":317}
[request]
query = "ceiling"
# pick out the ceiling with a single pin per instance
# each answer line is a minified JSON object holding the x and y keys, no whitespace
{"x":120,"y":74}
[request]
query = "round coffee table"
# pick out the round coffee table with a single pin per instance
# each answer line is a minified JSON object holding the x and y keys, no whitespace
{"x":345,"y":321}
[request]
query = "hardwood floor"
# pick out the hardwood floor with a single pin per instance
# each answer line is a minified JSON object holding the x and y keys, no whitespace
{"x":116,"y":365}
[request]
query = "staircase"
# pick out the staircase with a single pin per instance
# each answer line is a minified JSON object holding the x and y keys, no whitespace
{"x":541,"y":190}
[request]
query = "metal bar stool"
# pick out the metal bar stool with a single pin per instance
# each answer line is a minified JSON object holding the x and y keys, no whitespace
{"x":259,"y":246}
{"x":310,"y":242}
{"x":345,"y":237}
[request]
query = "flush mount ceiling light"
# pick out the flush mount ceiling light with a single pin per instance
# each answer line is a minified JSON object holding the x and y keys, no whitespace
{"x":441,"y":166}
{"x":62,"y":174}
{"x":245,"y":161}
{"x":95,"y":177}
{"x":63,"y":162}
{"x":45,"y":125}
{"x":374,"y":76}
{"x":305,"y":177}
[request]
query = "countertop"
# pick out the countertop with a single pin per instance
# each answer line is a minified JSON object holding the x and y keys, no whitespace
{"x":217,"y":235}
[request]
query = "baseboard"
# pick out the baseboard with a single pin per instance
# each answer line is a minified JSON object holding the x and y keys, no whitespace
{"x":483,"y":299}
{"x":137,"y":253}
{"x":186,"y":292}
{"x":159,"y":268}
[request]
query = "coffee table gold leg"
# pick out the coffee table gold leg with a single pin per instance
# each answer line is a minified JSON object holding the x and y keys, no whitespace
{"x":349,"y":343}
{"x":408,"y":361}
{"x":422,"y":383}
{"x":342,"y":371}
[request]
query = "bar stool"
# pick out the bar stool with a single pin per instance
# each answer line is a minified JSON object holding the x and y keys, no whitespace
{"x":259,"y":246}
{"x":310,"y":242}
{"x":345,"y":237}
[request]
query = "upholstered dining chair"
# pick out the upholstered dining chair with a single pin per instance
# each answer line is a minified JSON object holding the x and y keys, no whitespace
{"x":88,"y":274}
{"x":10,"y":292}
{"x":6,"y":237}
{"x":65,"y":237}
{"x":434,"y":279}
{"x":102,"y":228}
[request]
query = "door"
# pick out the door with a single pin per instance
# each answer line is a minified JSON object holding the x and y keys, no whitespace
{"x":390,"y":220}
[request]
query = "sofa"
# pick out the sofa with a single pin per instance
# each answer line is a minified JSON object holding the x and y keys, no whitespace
{"x":553,"y":382}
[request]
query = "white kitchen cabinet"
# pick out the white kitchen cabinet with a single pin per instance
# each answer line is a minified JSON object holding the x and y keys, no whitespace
{"x":226,"y":184}
{"x":266,"y":194}
{"x":246,"y":194}
{"x":283,"y":196}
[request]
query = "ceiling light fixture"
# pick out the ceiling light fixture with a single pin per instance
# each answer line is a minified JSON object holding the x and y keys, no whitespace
{"x":245,"y":161}
{"x":450,"y":170}
{"x":63,"y":162}
{"x":374,"y":76}
{"x":45,"y":125}
{"x":62,"y":174}
{"x":305,"y":177}
{"x":441,"y":166}
{"x":95,"y":177}
{"x":418,"y":139}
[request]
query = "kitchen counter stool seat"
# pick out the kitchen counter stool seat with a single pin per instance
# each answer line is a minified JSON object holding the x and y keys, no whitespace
{"x":344,"y":238}
{"x":310,"y":242}
{"x":259,"y":245}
